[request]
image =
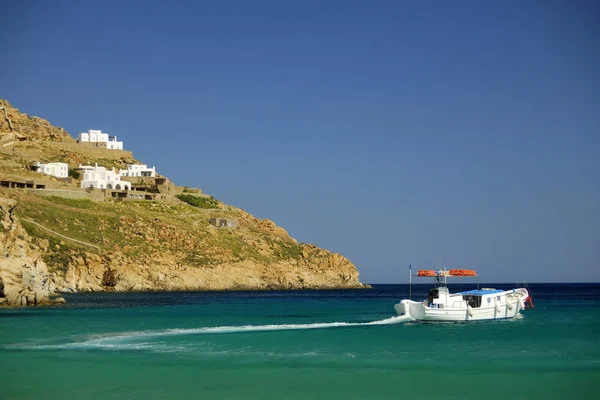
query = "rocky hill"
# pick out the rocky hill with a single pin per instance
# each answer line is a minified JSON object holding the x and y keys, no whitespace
{"x":99,"y":244}
{"x":33,"y":128}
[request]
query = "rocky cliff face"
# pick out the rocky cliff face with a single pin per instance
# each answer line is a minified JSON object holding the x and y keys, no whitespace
{"x":24,"y":278}
{"x":163,"y":256}
{"x":159,"y":272}
{"x":143,"y":246}
{"x":67,"y":245}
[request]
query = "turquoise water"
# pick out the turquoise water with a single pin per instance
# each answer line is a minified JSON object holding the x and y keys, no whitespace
{"x":297,"y":345}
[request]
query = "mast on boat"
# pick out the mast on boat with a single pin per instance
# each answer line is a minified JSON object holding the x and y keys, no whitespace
{"x":410,"y":281}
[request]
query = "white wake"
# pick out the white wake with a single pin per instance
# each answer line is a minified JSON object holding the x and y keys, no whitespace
{"x":124,"y":340}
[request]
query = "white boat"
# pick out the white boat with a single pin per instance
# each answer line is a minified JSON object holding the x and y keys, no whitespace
{"x":471,"y":305}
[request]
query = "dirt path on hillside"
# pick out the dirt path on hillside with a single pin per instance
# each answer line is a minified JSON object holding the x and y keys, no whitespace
{"x":59,"y":234}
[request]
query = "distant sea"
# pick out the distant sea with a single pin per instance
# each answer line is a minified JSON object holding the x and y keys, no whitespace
{"x":334,"y":344}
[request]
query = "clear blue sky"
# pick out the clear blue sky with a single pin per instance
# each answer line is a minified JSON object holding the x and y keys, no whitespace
{"x":457,"y":132}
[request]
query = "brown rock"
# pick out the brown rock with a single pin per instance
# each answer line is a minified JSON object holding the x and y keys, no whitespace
{"x":23,"y":275}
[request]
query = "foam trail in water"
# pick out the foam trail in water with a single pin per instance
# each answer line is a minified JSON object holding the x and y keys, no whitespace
{"x":119,"y":341}
{"x":258,"y":328}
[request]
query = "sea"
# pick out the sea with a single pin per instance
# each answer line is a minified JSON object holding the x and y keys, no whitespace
{"x":317,"y":344}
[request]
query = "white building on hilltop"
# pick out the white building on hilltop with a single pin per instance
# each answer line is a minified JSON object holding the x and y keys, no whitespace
{"x":57,"y":169}
{"x":136,"y":170}
{"x":100,"y":139}
{"x":100,"y":178}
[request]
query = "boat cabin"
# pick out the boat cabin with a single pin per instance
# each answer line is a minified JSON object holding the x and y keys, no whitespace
{"x":440,"y":297}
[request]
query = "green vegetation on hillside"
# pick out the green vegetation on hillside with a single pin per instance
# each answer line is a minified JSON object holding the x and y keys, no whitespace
{"x":283,"y":250}
{"x":73,"y":173}
{"x":200,"y":202}
{"x":59,"y":251}
{"x":82,"y":220}
{"x":144,"y":228}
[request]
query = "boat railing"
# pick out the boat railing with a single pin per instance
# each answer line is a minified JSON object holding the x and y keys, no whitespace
{"x":528,"y":299}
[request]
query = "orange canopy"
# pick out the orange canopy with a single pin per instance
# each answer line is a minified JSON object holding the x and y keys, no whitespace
{"x":462,"y":272}
{"x":426,"y":272}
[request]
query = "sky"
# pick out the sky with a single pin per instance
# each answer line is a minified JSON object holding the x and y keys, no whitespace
{"x":460,"y":133}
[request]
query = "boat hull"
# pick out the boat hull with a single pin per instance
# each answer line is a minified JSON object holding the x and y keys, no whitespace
{"x":418,"y":311}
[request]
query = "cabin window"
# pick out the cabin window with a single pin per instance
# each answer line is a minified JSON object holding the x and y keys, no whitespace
{"x":473,"y":301}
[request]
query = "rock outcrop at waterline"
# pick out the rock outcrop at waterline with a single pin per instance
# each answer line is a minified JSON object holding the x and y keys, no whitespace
{"x":117,"y":272}
{"x":24,"y":278}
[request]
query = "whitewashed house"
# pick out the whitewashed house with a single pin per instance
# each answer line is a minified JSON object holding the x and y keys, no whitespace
{"x":100,"y":139}
{"x":136,"y":170}
{"x":57,"y":169}
{"x":101,"y":178}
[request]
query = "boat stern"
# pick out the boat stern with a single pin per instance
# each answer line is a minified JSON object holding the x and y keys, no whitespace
{"x":409,"y":308}
{"x":401,"y":308}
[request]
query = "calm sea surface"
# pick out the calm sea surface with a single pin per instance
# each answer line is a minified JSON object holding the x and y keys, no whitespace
{"x":298,"y":345}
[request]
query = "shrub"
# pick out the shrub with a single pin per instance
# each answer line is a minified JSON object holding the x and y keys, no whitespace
{"x":73,"y":173}
{"x":200,"y":202}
